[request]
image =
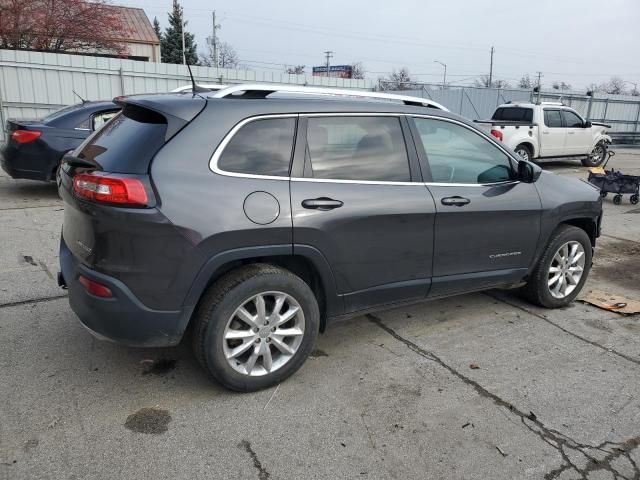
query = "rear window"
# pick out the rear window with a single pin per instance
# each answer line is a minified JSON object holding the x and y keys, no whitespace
{"x":261,"y":147}
{"x":128,"y":142}
{"x":59,"y":113}
{"x":513,"y":114}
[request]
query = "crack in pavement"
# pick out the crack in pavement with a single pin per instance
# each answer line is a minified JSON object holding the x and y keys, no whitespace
{"x":262,"y":472}
{"x":33,"y":300}
{"x":568,"y":332}
{"x":558,"y":441}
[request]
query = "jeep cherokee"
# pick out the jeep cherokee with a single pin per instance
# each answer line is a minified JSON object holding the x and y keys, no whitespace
{"x":254,"y":216}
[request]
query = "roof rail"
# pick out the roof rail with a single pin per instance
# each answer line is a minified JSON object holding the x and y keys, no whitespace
{"x":262,"y":90}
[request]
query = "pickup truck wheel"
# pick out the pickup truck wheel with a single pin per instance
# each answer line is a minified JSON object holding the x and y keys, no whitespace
{"x":524,"y":151}
{"x":562,"y":270}
{"x":597,"y":155}
{"x":255,"y":327}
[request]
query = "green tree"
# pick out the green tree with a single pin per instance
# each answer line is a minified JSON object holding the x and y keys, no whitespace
{"x":156,"y":28}
{"x":171,"y":41}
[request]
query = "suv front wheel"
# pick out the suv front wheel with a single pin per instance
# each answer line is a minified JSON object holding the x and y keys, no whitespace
{"x":562,"y":270}
{"x":255,"y":327}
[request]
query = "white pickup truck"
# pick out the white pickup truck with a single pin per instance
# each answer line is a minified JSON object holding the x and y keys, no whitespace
{"x":548,"y":130}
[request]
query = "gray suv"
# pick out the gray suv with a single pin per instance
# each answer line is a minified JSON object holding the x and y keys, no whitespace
{"x":254,"y":216}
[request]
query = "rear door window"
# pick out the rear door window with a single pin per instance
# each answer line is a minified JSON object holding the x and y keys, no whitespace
{"x":128,"y":142}
{"x":356,"y":148}
{"x":261,"y":147}
{"x":552,"y":118}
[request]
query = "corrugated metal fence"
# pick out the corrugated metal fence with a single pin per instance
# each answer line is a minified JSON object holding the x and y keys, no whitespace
{"x":32,"y":84}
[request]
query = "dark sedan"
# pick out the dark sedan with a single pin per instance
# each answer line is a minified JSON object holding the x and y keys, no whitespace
{"x":34,"y":148}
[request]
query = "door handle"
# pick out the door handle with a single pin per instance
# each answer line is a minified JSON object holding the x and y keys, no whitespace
{"x":571,"y":133}
{"x":322,"y":203}
{"x":455,"y":201}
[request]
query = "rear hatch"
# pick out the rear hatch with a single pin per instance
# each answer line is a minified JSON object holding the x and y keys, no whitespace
{"x":109,"y":198}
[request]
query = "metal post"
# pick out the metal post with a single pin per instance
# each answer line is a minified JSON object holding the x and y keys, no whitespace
{"x":589,"y":106}
{"x":121,"y":81}
{"x":635,"y":125}
{"x":461,"y":99}
{"x":606,"y":106}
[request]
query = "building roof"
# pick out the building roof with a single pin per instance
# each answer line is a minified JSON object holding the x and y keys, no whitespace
{"x":138,"y":26}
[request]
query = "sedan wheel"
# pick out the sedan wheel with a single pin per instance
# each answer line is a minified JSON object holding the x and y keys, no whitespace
{"x":566,"y":269}
{"x":264,"y":333}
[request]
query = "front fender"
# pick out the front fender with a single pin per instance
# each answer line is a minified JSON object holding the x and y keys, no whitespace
{"x":599,"y":138}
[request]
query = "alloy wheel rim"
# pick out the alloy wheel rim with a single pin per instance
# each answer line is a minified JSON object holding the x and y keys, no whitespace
{"x":597,"y":153}
{"x":264,"y":333}
{"x":566,"y":269}
{"x":523,"y":153}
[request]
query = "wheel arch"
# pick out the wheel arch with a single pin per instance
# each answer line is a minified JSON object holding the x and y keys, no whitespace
{"x":306,"y":262}
{"x":530,"y":144}
{"x":589,"y":225}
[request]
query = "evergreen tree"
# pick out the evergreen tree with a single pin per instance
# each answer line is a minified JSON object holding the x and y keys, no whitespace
{"x":156,"y":28}
{"x":171,"y":42}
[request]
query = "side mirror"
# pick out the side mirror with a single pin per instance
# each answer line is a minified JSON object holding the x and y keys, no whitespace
{"x":528,"y":172}
{"x":587,"y":124}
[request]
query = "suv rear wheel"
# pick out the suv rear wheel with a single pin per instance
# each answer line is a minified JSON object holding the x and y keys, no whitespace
{"x":562,"y":270}
{"x":255,"y":327}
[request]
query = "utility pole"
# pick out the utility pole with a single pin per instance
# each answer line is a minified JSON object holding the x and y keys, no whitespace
{"x":491,"y":70}
{"x":328,"y":54}
{"x":539,"y":85}
{"x":214,"y":39}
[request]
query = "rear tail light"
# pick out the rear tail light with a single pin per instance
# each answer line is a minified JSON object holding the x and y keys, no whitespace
{"x":117,"y":190}
{"x":25,"y":136}
{"x":497,"y":134}
{"x":95,"y":288}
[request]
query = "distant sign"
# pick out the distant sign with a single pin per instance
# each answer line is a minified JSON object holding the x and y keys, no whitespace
{"x":340,"y":71}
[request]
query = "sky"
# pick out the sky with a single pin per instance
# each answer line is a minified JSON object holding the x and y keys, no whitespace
{"x":576,"y":41}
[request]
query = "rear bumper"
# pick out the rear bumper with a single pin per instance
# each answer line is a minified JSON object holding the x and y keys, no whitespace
{"x":10,"y":162}
{"x":122,"y":318}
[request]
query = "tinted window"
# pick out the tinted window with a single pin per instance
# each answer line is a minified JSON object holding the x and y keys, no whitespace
{"x":458,"y":155}
{"x":571,"y":120}
{"x":357,"y":148}
{"x":261,"y":147}
{"x":552,"y":118}
{"x":514,"y":114}
{"x":128,"y":142}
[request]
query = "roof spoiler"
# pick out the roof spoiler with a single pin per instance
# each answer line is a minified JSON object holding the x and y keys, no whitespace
{"x":178,"y":110}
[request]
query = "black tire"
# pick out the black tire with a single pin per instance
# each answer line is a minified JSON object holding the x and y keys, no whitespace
{"x":219,"y":303}
{"x":603,"y":194}
{"x":617,"y":200}
{"x":601,"y":150}
{"x":537,"y":290}
{"x":634,"y":199}
{"x":524,"y":151}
